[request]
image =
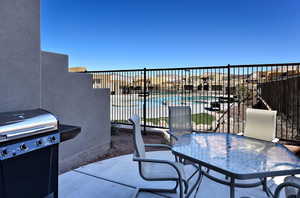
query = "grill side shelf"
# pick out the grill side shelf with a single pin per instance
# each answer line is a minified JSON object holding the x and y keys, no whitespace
{"x":68,"y":132}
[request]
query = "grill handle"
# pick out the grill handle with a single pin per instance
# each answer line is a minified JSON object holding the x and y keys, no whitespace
{"x":24,"y":133}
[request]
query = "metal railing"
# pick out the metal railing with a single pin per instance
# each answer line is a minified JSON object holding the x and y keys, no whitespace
{"x":217,"y":95}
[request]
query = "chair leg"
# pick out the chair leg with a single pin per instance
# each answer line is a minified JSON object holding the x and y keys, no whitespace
{"x":181,"y":193}
{"x":186,"y":187}
{"x":163,"y":190}
{"x":197,"y":183}
{"x":265,"y":187}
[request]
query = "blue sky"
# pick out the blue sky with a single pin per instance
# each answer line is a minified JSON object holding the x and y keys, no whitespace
{"x":122,"y":34}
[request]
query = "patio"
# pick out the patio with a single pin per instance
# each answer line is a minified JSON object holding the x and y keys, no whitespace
{"x":118,"y":177}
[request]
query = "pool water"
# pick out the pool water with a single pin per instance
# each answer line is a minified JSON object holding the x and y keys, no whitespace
{"x":180,"y":99}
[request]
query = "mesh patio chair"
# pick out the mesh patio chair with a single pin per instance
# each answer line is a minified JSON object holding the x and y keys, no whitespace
{"x":261,"y":124}
{"x":180,"y":123}
{"x":154,"y":169}
{"x":292,"y":187}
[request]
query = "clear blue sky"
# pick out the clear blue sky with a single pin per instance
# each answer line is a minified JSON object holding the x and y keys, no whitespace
{"x":120,"y":34}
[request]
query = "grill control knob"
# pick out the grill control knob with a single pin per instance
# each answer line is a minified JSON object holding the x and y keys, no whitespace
{"x":52,"y":139}
{"x":4,"y":152}
{"x":23,"y":147}
{"x":39,"y":142}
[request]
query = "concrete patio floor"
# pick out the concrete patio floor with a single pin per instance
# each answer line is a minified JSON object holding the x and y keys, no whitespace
{"x":118,"y":177}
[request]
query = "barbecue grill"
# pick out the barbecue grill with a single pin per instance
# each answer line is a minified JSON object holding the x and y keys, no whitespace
{"x":29,"y":143}
{"x":26,"y":123}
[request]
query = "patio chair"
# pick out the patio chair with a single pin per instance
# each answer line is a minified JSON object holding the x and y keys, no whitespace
{"x":180,"y":122}
{"x":261,"y":124}
{"x":155,"y":169}
{"x":292,"y":187}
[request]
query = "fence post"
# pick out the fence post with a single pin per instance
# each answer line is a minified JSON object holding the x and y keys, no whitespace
{"x":228,"y":99}
{"x":145,"y":100}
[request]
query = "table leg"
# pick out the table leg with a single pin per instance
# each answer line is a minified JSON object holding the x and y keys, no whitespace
{"x":232,"y":187}
{"x":265,"y":187}
{"x":197,"y":184}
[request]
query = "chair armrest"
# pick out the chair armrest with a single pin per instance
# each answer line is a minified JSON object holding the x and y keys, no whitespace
{"x":275,"y":140}
{"x":172,"y":164}
{"x":172,"y":135}
{"x":159,"y":146}
{"x":283,"y":185}
{"x":286,"y":164}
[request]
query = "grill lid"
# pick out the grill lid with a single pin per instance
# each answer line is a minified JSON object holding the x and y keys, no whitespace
{"x":19,"y":124}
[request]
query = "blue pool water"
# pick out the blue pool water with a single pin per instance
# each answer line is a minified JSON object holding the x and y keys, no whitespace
{"x":180,"y":99}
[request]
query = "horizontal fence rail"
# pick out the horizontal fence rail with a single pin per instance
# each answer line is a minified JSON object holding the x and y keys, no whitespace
{"x":217,"y":95}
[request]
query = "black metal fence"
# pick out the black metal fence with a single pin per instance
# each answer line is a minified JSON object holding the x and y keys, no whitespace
{"x":217,"y":95}
{"x":286,"y":101}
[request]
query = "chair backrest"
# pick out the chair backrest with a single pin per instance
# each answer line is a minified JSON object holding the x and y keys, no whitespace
{"x":138,"y":142}
{"x":260,"y":124}
{"x":180,"y":119}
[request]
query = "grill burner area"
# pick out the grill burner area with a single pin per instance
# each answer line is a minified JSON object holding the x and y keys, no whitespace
{"x":29,"y":142}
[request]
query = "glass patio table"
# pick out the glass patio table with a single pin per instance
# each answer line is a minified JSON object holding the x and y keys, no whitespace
{"x":237,"y":157}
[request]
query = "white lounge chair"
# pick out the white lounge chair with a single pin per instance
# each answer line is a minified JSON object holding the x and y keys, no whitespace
{"x":261,"y":124}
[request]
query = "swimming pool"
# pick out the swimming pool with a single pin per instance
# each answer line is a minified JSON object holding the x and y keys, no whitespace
{"x":164,"y":100}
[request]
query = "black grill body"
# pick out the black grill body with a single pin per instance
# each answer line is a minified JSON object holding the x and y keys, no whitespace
{"x":32,"y":175}
{"x":29,"y":145}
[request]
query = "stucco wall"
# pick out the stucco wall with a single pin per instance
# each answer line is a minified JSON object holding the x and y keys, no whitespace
{"x":70,"y":96}
{"x":19,"y":54}
{"x":30,"y":79}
